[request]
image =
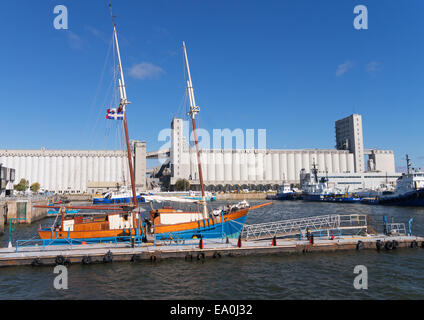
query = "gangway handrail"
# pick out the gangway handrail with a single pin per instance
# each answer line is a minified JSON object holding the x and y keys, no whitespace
{"x":300,"y":225}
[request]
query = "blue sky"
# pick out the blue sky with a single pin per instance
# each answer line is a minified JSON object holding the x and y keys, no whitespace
{"x":290,"y":67}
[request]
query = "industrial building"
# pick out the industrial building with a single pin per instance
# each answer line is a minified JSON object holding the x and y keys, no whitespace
{"x":362,"y":180}
{"x":7,"y":179}
{"x":349,"y":137}
{"x":73,"y":171}
{"x":255,"y":167}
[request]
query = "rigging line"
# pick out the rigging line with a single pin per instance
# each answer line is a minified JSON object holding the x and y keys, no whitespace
{"x":100,"y":82}
{"x":99,"y":113}
{"x":121,"y":148}
{"x":117,"y":145}
{"x":183,"y":103}
{"x":124,"y":167}
{"x":111,"y":89}
{"x":107,"y":129}
{"x":180,"y":110}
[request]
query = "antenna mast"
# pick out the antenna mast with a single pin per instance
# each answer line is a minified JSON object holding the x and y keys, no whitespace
{"x":315,"y":171}
{"x":408,"y":164}
{"x":194,"y":110}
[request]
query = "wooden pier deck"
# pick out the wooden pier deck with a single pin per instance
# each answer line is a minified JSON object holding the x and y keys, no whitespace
{"x":213,"y":248}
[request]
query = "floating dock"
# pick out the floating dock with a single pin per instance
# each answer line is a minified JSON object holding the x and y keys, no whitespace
{"x":295,"y":236}
{"x":212,"y":248}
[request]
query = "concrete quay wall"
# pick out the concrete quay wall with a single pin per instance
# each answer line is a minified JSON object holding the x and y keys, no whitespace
{"x":22,"y":209}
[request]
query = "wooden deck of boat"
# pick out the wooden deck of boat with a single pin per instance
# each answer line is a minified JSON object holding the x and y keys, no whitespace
{"x":213,"y":248}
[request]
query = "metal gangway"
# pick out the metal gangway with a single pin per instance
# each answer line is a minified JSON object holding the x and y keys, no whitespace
{"x":327,"y":224}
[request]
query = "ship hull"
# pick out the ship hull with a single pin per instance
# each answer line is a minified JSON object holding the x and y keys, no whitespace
{"x":312,"y":197}
{"x":282,"y":196}
{"x":329,"y":198}
{"x":285,"y":196}
{"x":114,"y":200}
{"x":410,"y":199}
{"x":343,"y":200}
{"x":231,"y":226}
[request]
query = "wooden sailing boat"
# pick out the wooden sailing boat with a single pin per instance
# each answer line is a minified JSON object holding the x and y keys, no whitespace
{"x":164,"y":223}
{"x":124,"y":220}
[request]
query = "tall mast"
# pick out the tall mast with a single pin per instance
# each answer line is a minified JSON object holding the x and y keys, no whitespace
{"x":122,"y":107}
{"x":192,"y":113}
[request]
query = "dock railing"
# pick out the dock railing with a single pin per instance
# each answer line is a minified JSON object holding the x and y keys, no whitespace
{"x":176,"y":239}
{"x":396,"y":229}
{"x":69,"y":243}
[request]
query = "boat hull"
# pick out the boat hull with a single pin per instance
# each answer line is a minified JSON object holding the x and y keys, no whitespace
{"x":312,"y":197}
{"x":231,"y":226}
{"x":286,"y":196}
{"x":410,"y":199}
{"x":114,"y":200}
{"x":330,"y":198}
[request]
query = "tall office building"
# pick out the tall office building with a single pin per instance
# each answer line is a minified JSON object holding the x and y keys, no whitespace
{"x":349,"y":137}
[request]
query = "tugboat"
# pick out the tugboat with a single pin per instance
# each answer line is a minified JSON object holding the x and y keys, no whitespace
{"x":165,"y":223}
{"x":409,"y":189}
{"x":318,"y":189}
{"x":284,"y":193}
{"x":314,"y":189}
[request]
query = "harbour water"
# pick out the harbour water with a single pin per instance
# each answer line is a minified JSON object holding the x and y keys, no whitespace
{"x":396,"y":274}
